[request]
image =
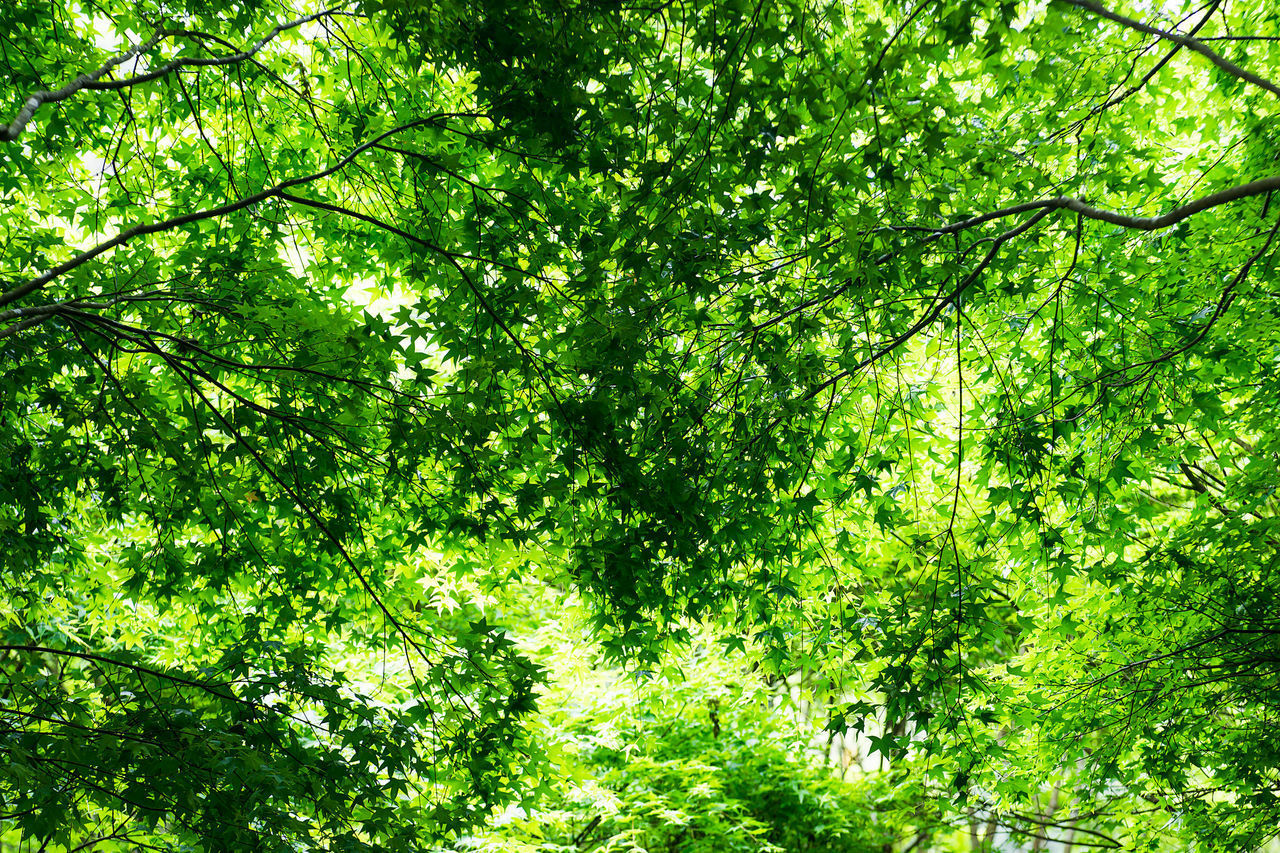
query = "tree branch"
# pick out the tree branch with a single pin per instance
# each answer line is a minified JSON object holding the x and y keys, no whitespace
{"x":10,"y":131}
{"x":1178,"y":38}
{"x":93,"y":81}
{"x":1138,"y":223}
{"x":128,"y":234}
{"x":1155,"y":69}
{"x":220,"y":690}
{"x":938,"y":306}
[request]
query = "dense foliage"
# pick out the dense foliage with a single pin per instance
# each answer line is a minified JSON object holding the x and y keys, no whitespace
{"x":924,"y":354}
{"x":692,"y":757}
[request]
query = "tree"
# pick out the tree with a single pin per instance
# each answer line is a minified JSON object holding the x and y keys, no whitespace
{"x":211,"y":477}
{"x":692,"y":756}
{"x":929,"y":348}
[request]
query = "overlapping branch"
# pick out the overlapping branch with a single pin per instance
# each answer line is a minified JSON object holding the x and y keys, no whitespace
{"x":143,"y":230}
{"x":1189,"y":42}
{"x":93,"y":81}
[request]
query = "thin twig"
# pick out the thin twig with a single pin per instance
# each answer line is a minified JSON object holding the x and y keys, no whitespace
{"x":1178,"y":38}
{"x":143,"y":230}
{"x":94,"y":82}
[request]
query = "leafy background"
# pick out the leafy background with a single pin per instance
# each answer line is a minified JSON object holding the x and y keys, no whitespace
{"x":599,"y":425}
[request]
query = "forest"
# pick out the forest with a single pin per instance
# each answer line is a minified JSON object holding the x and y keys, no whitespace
{"x":645,"y":426}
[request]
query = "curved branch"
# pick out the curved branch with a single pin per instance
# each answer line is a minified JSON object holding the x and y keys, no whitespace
{"x":938,"y":306}
{"x":1224,"y":302}
{"x":36,"y":314}
{"x":1139,"y":223}
{"x":10,"y":131}
{"x":1188,"y":42}
{"x":1155,"y":69}
{"x":199,"y":215}
{"x":220,"y":690}
{"x":1052,"y":824}
{"x":93,"y":81}
{"x":1173,"y":217}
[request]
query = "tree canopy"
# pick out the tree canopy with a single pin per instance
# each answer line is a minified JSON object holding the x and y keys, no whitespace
{"x":919,"y":357}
